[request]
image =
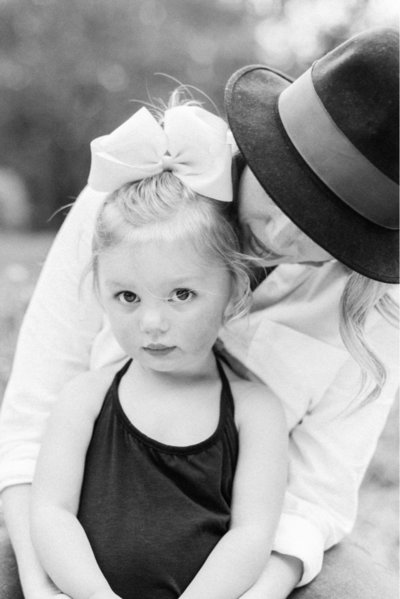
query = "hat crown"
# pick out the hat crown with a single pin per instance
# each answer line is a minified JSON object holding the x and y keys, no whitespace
{"x":358,"y":83}
{"x":325,"y":147}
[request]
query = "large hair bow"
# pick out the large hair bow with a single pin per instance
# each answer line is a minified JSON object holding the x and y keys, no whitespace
{"x":193,"y":144}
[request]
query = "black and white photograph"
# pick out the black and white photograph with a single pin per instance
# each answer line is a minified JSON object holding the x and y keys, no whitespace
{"x":199,"y":299}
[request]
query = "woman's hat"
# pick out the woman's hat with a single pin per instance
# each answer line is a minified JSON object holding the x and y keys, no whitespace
{"x":325,"y":147}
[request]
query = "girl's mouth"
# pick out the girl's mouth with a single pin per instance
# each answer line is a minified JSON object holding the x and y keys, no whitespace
{"x":158,"y":349}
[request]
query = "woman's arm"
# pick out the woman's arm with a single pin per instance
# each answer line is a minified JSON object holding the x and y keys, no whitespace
{"x":58,"y":537}
{"x":238,"y":559}
{"x":292,"y":344}
{"x":54,"y":345}
{"x":329,"y":452}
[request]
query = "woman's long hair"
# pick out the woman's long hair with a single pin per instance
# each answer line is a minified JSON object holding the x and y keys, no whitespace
{"x":360,"y":296}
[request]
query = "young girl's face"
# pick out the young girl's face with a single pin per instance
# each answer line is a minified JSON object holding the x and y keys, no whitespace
{"x":268,"y":232}
{"x":165,"y":303}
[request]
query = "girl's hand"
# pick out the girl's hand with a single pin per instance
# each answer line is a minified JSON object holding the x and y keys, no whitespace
{"x":278,"y":579}
{"x":48,"y":591}
{"x":254,"y":593}
{"x":104,"y":594}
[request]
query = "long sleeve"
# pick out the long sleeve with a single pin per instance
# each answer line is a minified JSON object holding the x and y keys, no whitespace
{"x":291,"y":342}
{"x":54,"y":342}
{"x":330,"y":450}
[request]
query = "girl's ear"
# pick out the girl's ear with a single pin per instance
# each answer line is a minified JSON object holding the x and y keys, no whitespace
{"x":228,"y":312}
{"x":240,"y":300}
{"x":230,"y":306}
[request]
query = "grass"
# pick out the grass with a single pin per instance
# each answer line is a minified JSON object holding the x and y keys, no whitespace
{"x":21,"y":257}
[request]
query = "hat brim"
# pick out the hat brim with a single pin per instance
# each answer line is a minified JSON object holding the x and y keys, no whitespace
{"x":251,"y":102}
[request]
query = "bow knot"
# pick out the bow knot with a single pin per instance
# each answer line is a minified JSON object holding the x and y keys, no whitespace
{"x":193,"y":144}
{"x":167,"y":163}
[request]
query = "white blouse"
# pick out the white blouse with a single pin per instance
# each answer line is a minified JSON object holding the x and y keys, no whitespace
{"x":290,"y":341}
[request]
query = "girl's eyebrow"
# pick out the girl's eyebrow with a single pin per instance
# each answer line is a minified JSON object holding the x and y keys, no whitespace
{"x":185,"y":279}
{"x":116,"y":284}
{"x":189,"y":278}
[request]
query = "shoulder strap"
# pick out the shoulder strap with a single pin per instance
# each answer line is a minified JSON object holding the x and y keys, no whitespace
{"x":226,"y":392}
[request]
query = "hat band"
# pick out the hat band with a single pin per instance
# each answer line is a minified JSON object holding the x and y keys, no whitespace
{"x":330,"y":154}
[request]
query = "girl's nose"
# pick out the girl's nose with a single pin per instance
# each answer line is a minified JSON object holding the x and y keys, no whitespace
{"x":153,"y":321}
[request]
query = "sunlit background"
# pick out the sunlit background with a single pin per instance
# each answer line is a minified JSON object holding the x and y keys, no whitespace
{"x":71,"y":70}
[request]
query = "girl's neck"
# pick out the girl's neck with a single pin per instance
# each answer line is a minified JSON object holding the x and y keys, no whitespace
{"x":203,"y":371}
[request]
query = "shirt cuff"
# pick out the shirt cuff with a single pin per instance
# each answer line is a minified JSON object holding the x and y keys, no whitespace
{"x":299,"y":538}
{"x":17,"y":473}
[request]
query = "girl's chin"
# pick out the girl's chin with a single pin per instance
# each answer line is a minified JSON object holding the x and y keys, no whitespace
{"x":177,"y":363}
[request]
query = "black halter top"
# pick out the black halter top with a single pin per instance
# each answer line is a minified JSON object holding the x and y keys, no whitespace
{"x":153,"y":512}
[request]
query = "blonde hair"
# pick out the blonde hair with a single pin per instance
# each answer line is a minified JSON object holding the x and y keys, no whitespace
{"x":163,"y":208}
{"x":360,"y":296}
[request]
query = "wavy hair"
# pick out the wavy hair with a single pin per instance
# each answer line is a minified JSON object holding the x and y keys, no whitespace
{"x":360,"y":296}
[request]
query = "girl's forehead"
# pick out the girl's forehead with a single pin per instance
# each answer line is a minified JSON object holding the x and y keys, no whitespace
{"x":165,"y":260}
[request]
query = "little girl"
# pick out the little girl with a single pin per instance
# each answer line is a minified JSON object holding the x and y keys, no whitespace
{"x":168,"y":482}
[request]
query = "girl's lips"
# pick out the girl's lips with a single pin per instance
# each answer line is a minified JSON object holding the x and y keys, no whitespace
{"x":157,"y":346}
{"x":156,"y":349}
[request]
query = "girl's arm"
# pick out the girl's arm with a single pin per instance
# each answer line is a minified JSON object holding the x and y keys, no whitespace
{"x":238,"y":559}
{"x":34,"y":580}
{"x":57,"y":535}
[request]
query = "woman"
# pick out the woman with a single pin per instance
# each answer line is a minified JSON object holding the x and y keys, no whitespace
{"x":291,"y":341}
{"x":322,"y":152}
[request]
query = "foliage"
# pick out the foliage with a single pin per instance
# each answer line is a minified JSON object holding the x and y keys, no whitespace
{"x":71,"y":69}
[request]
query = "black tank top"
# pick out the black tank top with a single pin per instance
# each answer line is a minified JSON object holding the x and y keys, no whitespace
{"x":153,"y":512}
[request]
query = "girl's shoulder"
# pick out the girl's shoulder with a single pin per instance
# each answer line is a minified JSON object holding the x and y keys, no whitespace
{"x":85,"y":393}
{"x":253,"y":400}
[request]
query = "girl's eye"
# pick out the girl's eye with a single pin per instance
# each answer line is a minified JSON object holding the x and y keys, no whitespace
{"x":182,"y":295}
{"x":127,"y":297}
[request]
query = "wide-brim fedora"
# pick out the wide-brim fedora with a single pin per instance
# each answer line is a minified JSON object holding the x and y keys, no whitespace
{"x":326,"y":149}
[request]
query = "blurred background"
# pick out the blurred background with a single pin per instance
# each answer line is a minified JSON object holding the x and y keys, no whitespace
{"x":73,"y":70}
{"x":69,"y":71}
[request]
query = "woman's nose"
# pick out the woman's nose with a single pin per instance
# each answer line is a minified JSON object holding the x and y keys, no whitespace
{"x":153,"y":321}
